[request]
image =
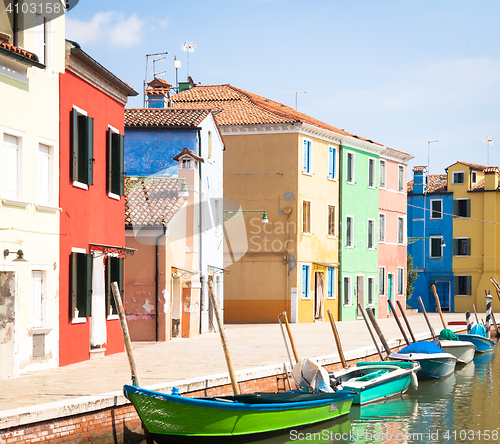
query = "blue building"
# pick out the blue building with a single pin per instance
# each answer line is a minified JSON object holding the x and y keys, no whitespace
{"x":430,"y":239}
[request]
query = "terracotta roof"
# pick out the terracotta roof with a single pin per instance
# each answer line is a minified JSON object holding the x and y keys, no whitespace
{"x":140,"y":117}
{"x":474,"y":166}
{"x":160,"y":82}
{"x":20,"y":51}
{"x":239,"y":107}
{"x":490,"y":170}
{"x":438,"y":184}
{"x":191,"y":153}
{"x":151,"y":202}
{"x":419,"y":169}
{"x":158,"y":92}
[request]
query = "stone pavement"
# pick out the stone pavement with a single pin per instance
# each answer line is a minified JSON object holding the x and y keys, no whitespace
{"x":251,"y":346}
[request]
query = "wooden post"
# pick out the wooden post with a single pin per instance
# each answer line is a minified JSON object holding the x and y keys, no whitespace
{"x":398,"y":322}
{"x":497,"y":287}
{"x":229,"y":362}
{"x":337,"y":339}
{"x":495,"y":322}
{"x":433,"y":287}
{"x":426,"y":318}
{"x":360,"y":310}
{"x":126,"y":336}
{"x":406,"y":321}
{"x":379,"y":332}
{"x":287,"y":325}
{"x":475,"y":313}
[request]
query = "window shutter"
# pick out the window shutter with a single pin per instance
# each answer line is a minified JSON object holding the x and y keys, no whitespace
{"x":468,"y":283}
{"x":467,"y":210}
{"x":121,"y":160}
{"x":74,"y":284}
{"x":110,"y":161}
{"x":455,"y":247}
{"x":74,"y":144}
{"x":467,"y":247}
{"x":306,"y":160}
{"x":455,"y":208}
{"x":114,"y":273}
{"x":455,"y":285}
{"x":330,"y":282}
{"x":87,"y":283}
{"x":90,"y":145}
{"x":330,"y":162}
{"x":304,"y":281}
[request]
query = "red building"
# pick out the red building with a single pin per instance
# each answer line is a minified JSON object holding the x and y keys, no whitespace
{"x":92,"y":244}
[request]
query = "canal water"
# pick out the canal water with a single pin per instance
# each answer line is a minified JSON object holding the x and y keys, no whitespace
{"x":462,"y":408}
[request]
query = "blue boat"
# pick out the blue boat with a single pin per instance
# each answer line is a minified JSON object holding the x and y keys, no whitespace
{"x":434,"y":362}
{"x":477,"y":336}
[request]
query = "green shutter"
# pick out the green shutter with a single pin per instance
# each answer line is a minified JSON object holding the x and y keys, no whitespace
{"x":468,"y":247}
{"x":467,"y":211}
{"x":468,"y":283}
{"x":82,"y":150}
{"x":110,"y":160}
{"x":455,"y":285}
{"x":455,"y":247}
{"x":74,"y":284}
{"x":455,"y":208}
{"x":121,"y":160}
{"x":74,"y":145}
{"x":90,"y":151}
{"x":114,"y":273}
{"x":87,"y":284}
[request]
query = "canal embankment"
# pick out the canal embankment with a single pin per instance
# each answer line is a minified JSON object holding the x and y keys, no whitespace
{"x":84,"y":402}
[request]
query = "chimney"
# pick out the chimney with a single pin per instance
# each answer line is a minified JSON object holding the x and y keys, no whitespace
{"x":490,"y":178}
{"x":419,"y":179}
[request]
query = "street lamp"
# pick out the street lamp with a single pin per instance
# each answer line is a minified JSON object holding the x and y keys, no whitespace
{"x":228,"y":214}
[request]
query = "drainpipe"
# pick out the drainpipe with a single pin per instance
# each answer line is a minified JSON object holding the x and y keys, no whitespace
{"x":157,"y":282}
{"x":15,"y":24}
{"x":200,"y":229}
{"x":339,"y":249}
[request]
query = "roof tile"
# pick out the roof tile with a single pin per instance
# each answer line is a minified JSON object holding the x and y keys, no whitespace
{"x":140,"y":117}
{"x":20,"y":51}
{"x":438,"y":184}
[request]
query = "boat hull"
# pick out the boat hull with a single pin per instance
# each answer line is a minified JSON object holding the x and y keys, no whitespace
{"x":462,"y":350}
{"x":391,"y":384}
{"x":170,"y":416}
{"x":433,"y":365}
{"x":482,"y":344}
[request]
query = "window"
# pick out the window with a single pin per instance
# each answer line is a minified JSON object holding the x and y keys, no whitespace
{"x":381,"y":281}
{"x":463,"y":285}
{"x":38,"y":298}
{"x":307,"y":167}
{"x":381,"y":227}
{"x":114,"y":273}
{"x":461,"y":247}
{"x":209,"y":145}
{"x":436,"y":247}
{"x":350,"y":168}
{"x":42,"y":39}
{"x":401,"y":178}
{"x":382,"y":174}
{"x":461,"y":208}
{"x":306,"y":217}
{"x":371,"y":290}
{"x":305,"y":281}
{"x":349,"y":241}
{"x":82,"y":147}
{"x":371,"y":234}
{"x":217,"y":217}
{"x":332,"y":159}
{"x":401,"y":230}
{"x":81,"y":285}
{"x":331,"y":283}
{"x":436,"y":209}
{"x":12,"y":167}
{"x":473,"y":176}
{"x":347,"y":290}
{"x":371,"y":173}
{"x":400,"y":280}
{"x":115,"y":162}
{"x":458,"y":177}
{"x":331,"y":220}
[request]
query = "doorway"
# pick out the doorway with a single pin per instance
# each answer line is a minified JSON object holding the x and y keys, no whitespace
{"x":7,"y":316}
{"x":360,"y":294}
{"x":390,"y":289}
{"x":443,"y":291}
{"x":319,"y":294}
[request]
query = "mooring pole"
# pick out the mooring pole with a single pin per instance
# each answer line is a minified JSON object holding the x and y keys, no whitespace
{"x":488,"y":313}
{"x":370,"y":314}
{"x":468,"y":320}
{"x":287,"y":325}
{"x":398,"y":322}
{"x":337,"y":339}
{"x":438,"y":304}
{"x":426,"y":318}
{"x":406,"y":321}
{"x":360,"y":309}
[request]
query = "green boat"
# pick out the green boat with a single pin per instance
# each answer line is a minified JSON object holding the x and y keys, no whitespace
{"x":239,"y":418}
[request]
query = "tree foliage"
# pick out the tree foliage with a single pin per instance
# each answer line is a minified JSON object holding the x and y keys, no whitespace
{"x":411,"y":277}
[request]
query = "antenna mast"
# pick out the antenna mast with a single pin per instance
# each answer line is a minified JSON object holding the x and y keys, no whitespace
{"x":489,"y":141}
{"x":188,"y":47}
{"x":146,"y":76}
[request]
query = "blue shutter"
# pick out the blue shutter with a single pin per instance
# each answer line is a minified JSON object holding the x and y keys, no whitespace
{"x":305,"y":282}
{"x":306,"y":158}
{"x":331,"y":163}
{"x":330,"y":282}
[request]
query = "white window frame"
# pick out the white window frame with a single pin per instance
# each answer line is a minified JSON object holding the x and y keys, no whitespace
{"x":370,"y":285}
{"x":331,"y":236}
{"x":78,"y":320}
{"x":436,"y":200}
{"x":21,"y":187}
{"x":402,"y":270}
{"x":42,"y":40}
{"x":43,"y":303}
{"x":77,"y":184}
{"x":210,"y":153}
{"x":383,"y":169}
{"x":453,"y":181}
{"x":371,"y":161}
{"x":53,"y":175}
{"x":430,"y":247}
{"x":383,"y":282}
{"x":368,"y":234}
{"x":404,"y":231}
{"x":382,"y":227}
{"x":334,"y":158}
{"x":113,"y":195}
{"x":349,"y":291}
{"x":401,"y":179}
{"x":351,"y":244}
{"x":353,"y":179}
{"x":473,"y":176}
{"x":308,"y":171}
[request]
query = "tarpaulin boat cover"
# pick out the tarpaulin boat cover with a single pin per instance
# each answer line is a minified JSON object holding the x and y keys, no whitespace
{"x":421,"y":347}
{"x":308,"y":373}
{"x":448,"y":335}
{"x":479,"y":330}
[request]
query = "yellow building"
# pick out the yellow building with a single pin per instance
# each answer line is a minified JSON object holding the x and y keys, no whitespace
{"x":286,"y":163}
{"x":476,"y":233}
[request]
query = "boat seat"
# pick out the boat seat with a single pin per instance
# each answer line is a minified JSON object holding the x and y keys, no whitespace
{"x":372,"y":375}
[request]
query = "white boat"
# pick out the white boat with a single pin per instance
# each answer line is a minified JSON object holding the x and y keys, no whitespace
{"x":434,"y":362}
{"x":462,"y":350}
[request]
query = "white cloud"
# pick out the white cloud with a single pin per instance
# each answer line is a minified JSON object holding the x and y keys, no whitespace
{"x":111,"y":27}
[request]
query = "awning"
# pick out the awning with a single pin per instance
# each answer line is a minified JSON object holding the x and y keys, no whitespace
{"x":120,"y":251}
{"x":182,"y":273}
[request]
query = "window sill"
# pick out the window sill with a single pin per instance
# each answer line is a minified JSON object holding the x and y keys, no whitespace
{"x":331,"y":298}
{"x":39,"y":331}
{"x":435,"y":257}
{"x":435,"y":218}
{"x":350,"y":183}
{"x":78,"y":320}
{"x":332,"y":236}
{"x":462,"y":295}
{"x":305,"y":173}
{"x":112,"y":317}
{"x":332,"y":179}
{"x":305,"y":299}
{"x":306,"y":234}
{"x":80,"y":185}
{"x":15,"y":203}
{"x":114,"y":196}
{"x":47,"y":209}
{"x":373,"y":187}
{"x":461,"y":255}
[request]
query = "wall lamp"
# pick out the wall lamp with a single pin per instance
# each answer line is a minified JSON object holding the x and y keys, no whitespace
{"x":228,"y":214}
{"x":20,"y":255}
{"x":183,"y":191}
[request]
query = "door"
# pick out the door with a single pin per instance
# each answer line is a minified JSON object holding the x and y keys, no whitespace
{"x":7,"y":321}
{"x":390,"y":288}
{"x":443,"y":291}
{"x":360,"y":294}
{"x":319,"y":294}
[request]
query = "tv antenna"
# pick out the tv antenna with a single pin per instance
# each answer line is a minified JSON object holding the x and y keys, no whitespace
{"x":188,"y":47}
{"x":489,"y":141}
{"x":297,"y":93}
{"x":146,"y":76}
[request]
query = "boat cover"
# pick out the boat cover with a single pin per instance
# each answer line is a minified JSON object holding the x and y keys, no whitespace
{"x":308,"y":373}
{"x":421,"y":347}
{"x":479,"y":330}
{"x":448,"y":335}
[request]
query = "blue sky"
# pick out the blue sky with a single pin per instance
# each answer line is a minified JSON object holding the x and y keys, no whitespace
{"x":399,"y":72}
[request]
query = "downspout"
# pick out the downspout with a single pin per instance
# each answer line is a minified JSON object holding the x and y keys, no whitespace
{"x":341,"y":150}
{"x":157,"y":282}
{"x":200,"y":229}
{"x":15,"y":23}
